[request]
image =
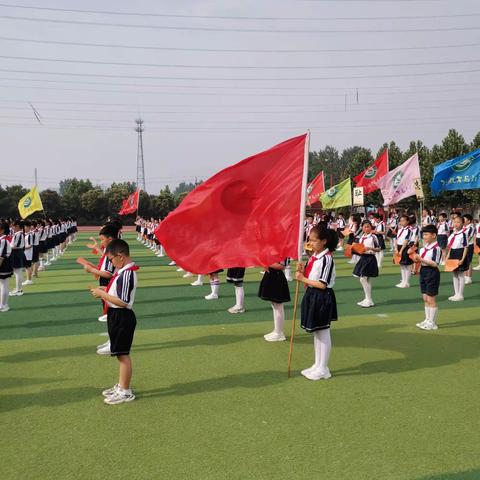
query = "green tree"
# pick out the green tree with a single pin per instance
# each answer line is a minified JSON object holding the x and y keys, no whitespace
{"x":52,"y":204}
{"x":93,"y":204}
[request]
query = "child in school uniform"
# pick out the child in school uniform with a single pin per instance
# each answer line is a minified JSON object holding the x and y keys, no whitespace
{"x":442,"y":236}
{"x":236,"y":276}
{"x":404,"y":235}
{"x":6,"y":270}
{"x":392,"y":223}
{"x":367,"y":267}
{"x":119,"y":296}
{"x":469,"y":229}
{"x":380,"y":232}
{"x":319,"y":306}
{"x":274,"y":288}
{"x":429,"y":257}
{"x":18,"y":258}
{"x":28,"y":252}
{"x":457,"y":249}
{"x":36,"y":247}
{"x":477,"y":242}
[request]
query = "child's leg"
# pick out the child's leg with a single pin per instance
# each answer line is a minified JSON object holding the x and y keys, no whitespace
{"x":323,"y":347}
{"x":239,"y":295}
{"x":278,"y":318}
{"x":367,"y":288}
{"x":215,"y":286}
{"x":125,"y":371}
{"x":18,"y":272}
{"x":3,"y":292}
{"x":461,"y":283}
{"x":29,"y":273}
{"x":433,"y":309}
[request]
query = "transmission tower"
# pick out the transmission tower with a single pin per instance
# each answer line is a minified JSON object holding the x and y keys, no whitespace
{"x":140,"y":165}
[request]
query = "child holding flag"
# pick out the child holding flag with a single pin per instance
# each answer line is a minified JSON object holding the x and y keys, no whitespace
{"x":319,"y":306}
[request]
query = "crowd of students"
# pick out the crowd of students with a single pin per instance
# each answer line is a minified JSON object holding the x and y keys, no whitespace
{"x":27,"y":247}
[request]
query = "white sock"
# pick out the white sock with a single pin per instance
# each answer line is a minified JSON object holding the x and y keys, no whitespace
{"x":367,"y":288}
{"x":162,"y":252}
{"x":41,"y":263}
{"x":380,"y":258}
{"x":323,"y":346}
{"x":3,"y":292}
{"x":427,"y":312}
{"x":455,"y":283}
{"x":461,"y":283}
{"x":18,"y":278}
{"x":215,"y":287}
{"x":405,"y":274}
{"x":239,"y":296}
{"x":433,"y":314}
{"x":278,"y":317}
{"x":288,"y":272}
{"x":200,"y":278}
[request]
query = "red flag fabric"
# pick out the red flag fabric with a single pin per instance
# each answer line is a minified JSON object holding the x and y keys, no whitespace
{"x":315,"y":188}
{"x":368,"y":178}
{"x":245,"y":215}
{"x":130,"y":205}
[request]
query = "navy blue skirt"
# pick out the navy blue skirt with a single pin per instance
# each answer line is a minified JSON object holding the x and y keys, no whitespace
{"x":274,"y":287}
{"x":367,"y":266}
{"x":442,"y":241}
{"x":18,"y":259}
{"x":405,"y":260}
{"x":319,"y":309}
{"x":457,"y":254}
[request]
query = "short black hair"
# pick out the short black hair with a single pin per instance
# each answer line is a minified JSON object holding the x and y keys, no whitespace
{"x":366,"y":222}
{"x":118,"y":246}
{"x":109,"y":231}
{"x":468,"y":217}
{"x":327,"y":234}
{"x":430,"y":229}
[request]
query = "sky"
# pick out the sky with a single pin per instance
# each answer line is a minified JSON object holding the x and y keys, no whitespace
{"x":217,"y":81}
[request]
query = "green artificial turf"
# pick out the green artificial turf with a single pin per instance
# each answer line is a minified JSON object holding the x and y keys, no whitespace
{"x":213,"y":398}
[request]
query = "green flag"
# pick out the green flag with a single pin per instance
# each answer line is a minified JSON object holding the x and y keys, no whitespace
{"x":338,"y":196}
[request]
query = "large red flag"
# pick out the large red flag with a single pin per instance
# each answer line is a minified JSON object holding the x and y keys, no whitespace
{"x":130,"y":205}
{"x":369,"y":178}
{"x":249,"y":214}
{"x":315,"y":188}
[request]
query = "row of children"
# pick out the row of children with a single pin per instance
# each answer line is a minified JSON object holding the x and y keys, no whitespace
{"x":30,"y":246}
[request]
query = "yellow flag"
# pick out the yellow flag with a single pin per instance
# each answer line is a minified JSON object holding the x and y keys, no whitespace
{"x":338,"y":196}
{"x":30,"y":203}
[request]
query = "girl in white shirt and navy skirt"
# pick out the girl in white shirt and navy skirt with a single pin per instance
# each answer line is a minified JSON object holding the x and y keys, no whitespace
{"x":319,"y":306}
{"x":457,"y":249}
{"x":18,"y":257}
{"x":404,"y":237}
{"x":274,"y":288}
{"x":367,"y":267}
{"x":6,"y":270}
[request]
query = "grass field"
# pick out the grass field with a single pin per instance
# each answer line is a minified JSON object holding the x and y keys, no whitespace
{"x":213,"y":398}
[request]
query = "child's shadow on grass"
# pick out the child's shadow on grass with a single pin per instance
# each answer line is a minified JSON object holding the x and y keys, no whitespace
{"x":47,"y":398}
{"x":243,"y":380}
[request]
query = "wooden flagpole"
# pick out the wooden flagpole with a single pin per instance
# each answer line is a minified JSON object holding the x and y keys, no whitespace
{"x":300,"y":247}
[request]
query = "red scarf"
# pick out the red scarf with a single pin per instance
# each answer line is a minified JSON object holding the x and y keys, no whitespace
{"x":309,"y":266}
{"x":133,"y":268}
{"x":425,"y":250}
{"x":450,"y":243}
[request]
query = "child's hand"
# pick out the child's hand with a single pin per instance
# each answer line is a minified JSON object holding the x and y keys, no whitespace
{"x":416,"y":257}
{"x":97,"y":292}
{"x":300,"y":267}
{"x":299,"y":276}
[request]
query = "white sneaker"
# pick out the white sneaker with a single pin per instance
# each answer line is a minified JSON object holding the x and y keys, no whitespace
{"x":29,"y":282}
{"x":456,"y":298}
{"x":339,"y":249}
{"x":420,"y":324}
{"x":110,"y":391}
{"x":41,"y":269}
{"x":103,"y":345}
{"x":476,"y":268}
{"x":105,"y":350}
{"x":307,"y":371}
{"x":103,"y":318}
{"x":6,"y":308}
{"x":428,"y":325}
{"x":403,"y":285}
{"x":47,"y":264}
{"x":351,"y":261}
{"x":318,"y":374}
{"x":16,"y":293}
{"x":274,"y":337}
{"x":212,"y":296}
{"x":236,"y":309}
{"x":442,"y":263}
{"x":188,"y":274}
{"x":180,"y":269}
{"x":161,"y":254}
{"x":119,"y":396}
{"x":196,"y":283}
{"x":366,"y":304}
{"x":468,"y":280}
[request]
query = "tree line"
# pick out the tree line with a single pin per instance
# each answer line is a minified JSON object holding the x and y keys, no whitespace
{"x":91,"y":203}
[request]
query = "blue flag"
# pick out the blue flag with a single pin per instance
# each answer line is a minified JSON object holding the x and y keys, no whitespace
{"x":460,"y":173}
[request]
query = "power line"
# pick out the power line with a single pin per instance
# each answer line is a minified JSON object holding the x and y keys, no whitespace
{"x":149,"y":77}
{"x":239,"y":50}
{"x":239,"y":30}
{"x":229,"y":17}
{"x":238,"y":67}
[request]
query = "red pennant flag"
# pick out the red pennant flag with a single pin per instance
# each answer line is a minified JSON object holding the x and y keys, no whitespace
{"x":130,"y":205}
{"x":249,"y":214}
{"x":315,"y":188}
{"x":368,"y":178}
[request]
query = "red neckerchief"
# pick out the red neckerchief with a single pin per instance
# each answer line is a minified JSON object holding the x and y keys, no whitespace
{"x":364,"y":238}
{"x":401,"y":231}
{"x":100,"y":263}
{"x":450,"y":243}
{"x":309,"y":266}
{"x":133,"y":268}
{"x":426,"y":249}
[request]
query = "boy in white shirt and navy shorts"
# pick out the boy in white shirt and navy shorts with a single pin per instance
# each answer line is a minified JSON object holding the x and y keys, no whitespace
{"x":119,"y":296}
